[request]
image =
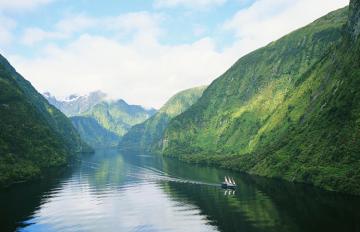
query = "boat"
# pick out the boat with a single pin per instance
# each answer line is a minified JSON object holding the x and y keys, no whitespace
{"x":229,"y":192}
{"x":228,"y":183}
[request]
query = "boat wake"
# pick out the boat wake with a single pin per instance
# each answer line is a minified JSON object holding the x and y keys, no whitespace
{"x":150,"y":174}
{"x":153,"y":174}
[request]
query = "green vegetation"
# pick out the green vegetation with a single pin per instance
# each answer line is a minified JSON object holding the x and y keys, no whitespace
{"x":117,"y":117}
{"x":93,"y":133}
{"x":33,"y":134}
{"x":148,"y":135}
{"x":289,"y":110}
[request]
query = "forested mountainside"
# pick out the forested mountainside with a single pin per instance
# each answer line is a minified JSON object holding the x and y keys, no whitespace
{"x":117,"y":117}
{"x":148,"y":135}
{"x":34,"y":135}
{"x":289,"y":110}
{"x":93,"y":133}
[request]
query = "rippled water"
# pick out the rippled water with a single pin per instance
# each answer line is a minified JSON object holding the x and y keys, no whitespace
{"x":110,"y":191}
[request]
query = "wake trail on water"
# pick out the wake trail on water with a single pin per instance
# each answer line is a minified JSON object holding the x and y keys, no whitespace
{"x":163,"y":176}
{"x":147,"y":173}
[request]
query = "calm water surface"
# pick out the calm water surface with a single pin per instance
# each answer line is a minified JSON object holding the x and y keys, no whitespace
{"x":112,"y":191}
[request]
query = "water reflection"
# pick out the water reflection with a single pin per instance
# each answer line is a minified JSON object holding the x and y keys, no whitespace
{"x":109,"y":191}
{"x":18,"y":204}
{"x":229,"y":192}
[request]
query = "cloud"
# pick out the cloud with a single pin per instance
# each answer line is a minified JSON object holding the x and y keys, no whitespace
{"x":138,"y":24}
{"x":199,"y":30}
{"x":195,"y":4}
{"x":7,"y":20}
{"x":132,"y":63}
{"x":267,"y":20}
{"x":34,"y":35}
{"x":63,"y":29}
{"x":140,"y":73}
{"x":21,"y":4}
{"x":6,"y":26}
{"x":75,"y":23}
{"x":142,"y":25}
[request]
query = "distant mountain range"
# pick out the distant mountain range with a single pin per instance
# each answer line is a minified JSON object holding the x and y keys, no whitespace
{"x":75,"y":105}
{"x":114,"y":116}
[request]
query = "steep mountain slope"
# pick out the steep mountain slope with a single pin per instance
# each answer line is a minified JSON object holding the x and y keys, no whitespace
{"x":148,"y":135}
{"x":33,"y":134}
{"x":93,"y":133}
{"x":115,"y":116}
{"x":289,"y":110}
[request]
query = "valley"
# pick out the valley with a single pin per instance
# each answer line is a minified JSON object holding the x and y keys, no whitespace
{"x":281,"y":125}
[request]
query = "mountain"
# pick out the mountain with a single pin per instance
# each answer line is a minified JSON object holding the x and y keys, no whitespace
{"x":290,"y":110}
{"x":117,"y":117}
{"x":34,"y":135}
{"x":148,"y":135}
{"x":75,"y":105}
{"x":93,"y":133}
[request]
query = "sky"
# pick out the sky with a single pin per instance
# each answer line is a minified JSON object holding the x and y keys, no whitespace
{"x":142,"y":51}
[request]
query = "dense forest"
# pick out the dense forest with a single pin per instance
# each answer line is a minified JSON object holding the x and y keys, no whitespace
{"x":34,"y":135}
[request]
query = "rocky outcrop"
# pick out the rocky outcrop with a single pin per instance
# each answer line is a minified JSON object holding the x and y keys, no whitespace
{"x":354,"y":18}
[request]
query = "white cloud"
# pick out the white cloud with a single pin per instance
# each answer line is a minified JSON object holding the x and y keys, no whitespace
{"x":199,"y":30}
{"x":268,"y":20}
{"x":139,"y":24}
{"x":142,"y":25}
{"x":144,"y":71}
{"x":75,"y":23}
{"x":140,"y":73}
{"x":63,"y":29}
{"x":198,"y":4}
{"x":21,"y":4}
{"x":7,"y":23}
{"x":6,"y":26}
{"x":34,"y":35}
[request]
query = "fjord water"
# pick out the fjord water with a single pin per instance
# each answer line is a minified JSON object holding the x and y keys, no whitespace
{"x":114,"y":191}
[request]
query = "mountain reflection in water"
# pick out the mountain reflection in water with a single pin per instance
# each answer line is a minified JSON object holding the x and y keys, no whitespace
{"x":113,"y":191}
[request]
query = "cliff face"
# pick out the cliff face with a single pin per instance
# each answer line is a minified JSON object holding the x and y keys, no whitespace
{"x":354,"y":18}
